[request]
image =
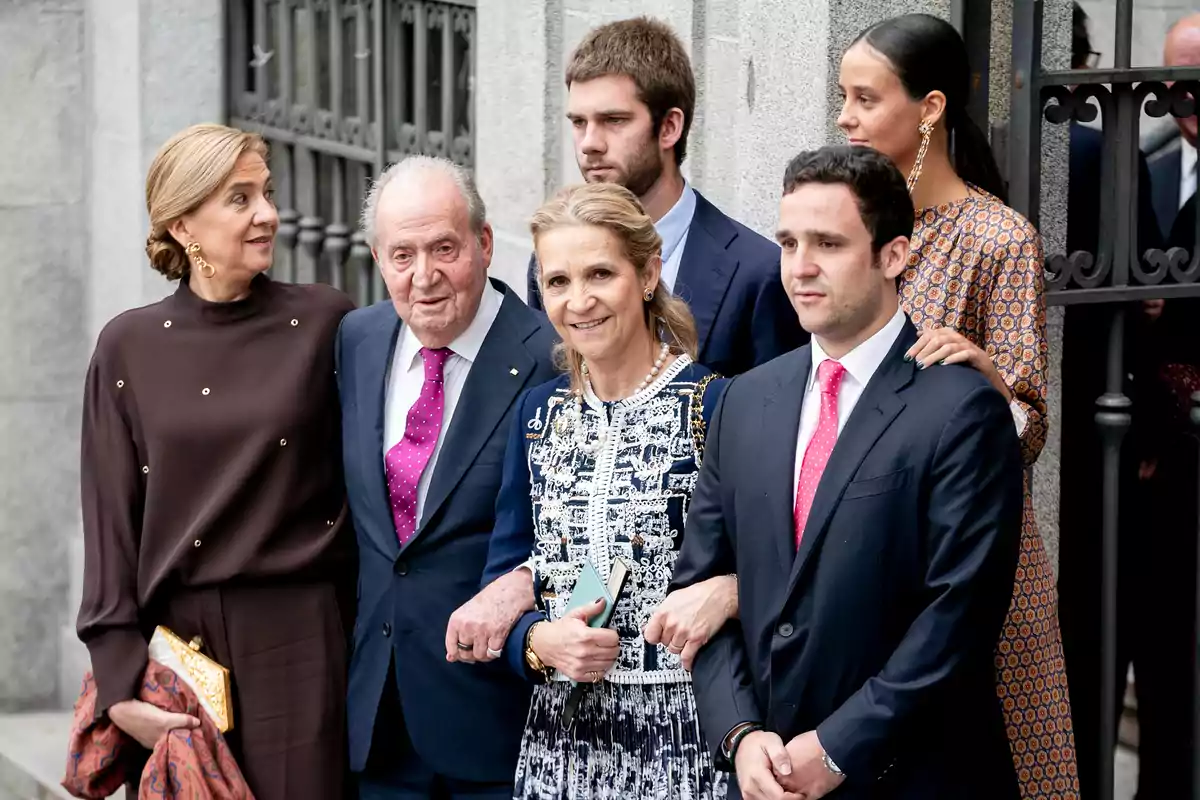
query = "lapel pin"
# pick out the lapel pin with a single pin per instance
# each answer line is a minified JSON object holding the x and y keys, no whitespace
{"x":512,"y":371}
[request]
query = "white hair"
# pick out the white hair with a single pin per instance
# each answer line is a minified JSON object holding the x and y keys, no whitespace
{"x":414,"y":166}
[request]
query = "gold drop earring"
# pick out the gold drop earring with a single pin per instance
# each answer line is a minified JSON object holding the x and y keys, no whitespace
{"x":206,"y":269}
{"x":926,"y":130}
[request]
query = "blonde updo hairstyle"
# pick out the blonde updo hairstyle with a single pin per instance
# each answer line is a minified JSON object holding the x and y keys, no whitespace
{"x":616,"y":209}
{"x":186,"y":171}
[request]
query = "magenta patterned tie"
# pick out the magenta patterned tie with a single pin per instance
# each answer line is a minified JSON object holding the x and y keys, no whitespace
{"x":407,"y":459}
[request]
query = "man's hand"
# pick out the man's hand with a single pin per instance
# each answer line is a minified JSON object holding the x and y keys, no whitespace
{"x":483,"y":622}
{"x":761,"y":762}
{"x":689,"y":617}
{"x":809,"y":777}
{"x":148,"y":723}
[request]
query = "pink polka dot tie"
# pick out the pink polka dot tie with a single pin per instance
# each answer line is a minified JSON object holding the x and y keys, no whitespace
{"x":406,"y":461}
{"x":820,"y":446}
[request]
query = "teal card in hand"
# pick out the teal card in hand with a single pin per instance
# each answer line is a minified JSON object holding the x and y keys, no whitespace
{"x":589,"y":588}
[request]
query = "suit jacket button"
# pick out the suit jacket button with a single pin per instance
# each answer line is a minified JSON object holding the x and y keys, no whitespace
{"x":387,"y":630}
{"x":786,"y":629}
{"x":401,"y":568}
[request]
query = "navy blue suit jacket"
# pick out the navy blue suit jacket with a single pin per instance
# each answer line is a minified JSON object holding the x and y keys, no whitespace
{"x":729,"y":277}
{"x":1165,"y":169}
{"x":879,"y":632}
{"x":465,"y":720}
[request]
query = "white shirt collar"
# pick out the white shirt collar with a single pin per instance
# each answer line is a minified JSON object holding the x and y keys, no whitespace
{"x":863,"y":360}
{"x":1187,"y":172}
{"x":469,"y":342}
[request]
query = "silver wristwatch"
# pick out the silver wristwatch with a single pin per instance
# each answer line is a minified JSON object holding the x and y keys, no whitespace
{"x":832,"y":767}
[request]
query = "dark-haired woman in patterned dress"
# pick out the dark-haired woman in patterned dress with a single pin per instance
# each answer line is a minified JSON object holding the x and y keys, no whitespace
{"x":974,"y":285}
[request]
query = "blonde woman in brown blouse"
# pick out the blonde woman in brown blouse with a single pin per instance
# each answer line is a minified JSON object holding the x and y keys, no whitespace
{"x":212,"y":489}
{"x":974,"y":285}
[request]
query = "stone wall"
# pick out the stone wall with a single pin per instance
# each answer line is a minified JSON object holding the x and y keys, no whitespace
{"x":43,"y":219}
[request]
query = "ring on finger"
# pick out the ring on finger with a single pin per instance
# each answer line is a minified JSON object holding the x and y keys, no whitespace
{"x":462,"y":646}
{"x":596,"y":676}
{"x":494,"y":653}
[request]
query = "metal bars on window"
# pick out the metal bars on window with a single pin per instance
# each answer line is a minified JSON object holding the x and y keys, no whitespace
{"x":340,"y":89}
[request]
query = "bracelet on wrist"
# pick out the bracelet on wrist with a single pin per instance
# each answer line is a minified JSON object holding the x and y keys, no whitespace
{"x":735,"y":740}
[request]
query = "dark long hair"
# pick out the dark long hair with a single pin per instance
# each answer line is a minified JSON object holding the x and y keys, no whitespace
{"x":928,"y":55}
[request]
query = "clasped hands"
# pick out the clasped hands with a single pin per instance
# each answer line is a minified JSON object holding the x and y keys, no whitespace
{"x":767,"y":769}
{"x":684,"y":622}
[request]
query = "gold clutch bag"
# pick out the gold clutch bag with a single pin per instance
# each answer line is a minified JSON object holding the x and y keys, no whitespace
{"x":208,"y":679}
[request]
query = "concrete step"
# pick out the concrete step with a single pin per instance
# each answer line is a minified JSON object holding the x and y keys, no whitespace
{"x":33,"y":755}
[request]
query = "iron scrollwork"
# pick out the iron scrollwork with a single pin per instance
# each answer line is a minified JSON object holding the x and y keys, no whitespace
{"x":1083,"y":103}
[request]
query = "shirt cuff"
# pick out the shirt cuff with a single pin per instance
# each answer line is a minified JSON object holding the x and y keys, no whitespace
{"x":1020,"y":418}
{"x":514,"y":646}
{"x":119,"y":657}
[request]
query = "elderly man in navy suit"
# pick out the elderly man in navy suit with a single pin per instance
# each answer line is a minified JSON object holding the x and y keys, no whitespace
{"x":871,"y":507}
{"x":1173,"y":167}
{"x":428,"y":381}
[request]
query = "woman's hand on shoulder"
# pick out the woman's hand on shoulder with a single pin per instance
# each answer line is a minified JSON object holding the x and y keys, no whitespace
{"x":690,"y":617}
{"x":147,"y":723}
{"x":948,"y":346}
{"x":580,"y":652}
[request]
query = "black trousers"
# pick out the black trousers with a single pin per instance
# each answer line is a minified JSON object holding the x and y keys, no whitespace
{"x":1156,"y":601}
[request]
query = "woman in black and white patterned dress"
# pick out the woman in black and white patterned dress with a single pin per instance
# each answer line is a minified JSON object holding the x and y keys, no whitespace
{"x":600,"y":465}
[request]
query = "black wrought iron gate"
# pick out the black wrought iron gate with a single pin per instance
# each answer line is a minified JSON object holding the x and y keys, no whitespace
{"x":340,"y":89}
{"x":1115,"y":274}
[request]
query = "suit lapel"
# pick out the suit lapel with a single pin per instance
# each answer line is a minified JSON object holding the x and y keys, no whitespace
{"x":374,"y":354}
{"x":877,"y":407}
{"x":502,"y":369}
{"x":780,"y":427}
{"x":706,"y":267}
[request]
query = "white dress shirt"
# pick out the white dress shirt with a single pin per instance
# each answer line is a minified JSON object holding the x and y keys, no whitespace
{"x":673,"y":228}
{"x":1187,"y":171}
{"x":860,"y":364}
{"x":407,"y":376}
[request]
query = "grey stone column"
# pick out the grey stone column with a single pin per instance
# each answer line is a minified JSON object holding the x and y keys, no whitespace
{"x":43,"y":286}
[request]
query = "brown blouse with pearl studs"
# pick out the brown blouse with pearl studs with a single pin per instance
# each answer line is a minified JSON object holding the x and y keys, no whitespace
{"x":210,"y":454}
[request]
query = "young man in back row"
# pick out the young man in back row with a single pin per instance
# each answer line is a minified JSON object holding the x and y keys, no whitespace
{"x":631,"y":98}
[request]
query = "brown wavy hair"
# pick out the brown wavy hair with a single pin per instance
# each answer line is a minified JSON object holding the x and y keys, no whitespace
{"x":650,"y":53}
{"x":192,"y":165}
{"x":616,"y":209}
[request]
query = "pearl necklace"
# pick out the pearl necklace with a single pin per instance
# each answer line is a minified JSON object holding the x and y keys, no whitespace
{"x":580,"y":433}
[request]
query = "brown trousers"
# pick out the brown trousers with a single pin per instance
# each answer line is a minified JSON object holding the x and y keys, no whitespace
{"x":286,"y":648}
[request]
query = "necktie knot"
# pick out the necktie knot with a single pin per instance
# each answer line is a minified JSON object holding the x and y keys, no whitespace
{"x":830,"y":374}
{"x":435,"y":362}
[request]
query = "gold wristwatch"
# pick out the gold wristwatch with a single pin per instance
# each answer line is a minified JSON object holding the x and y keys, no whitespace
{"x":531,"y":658}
